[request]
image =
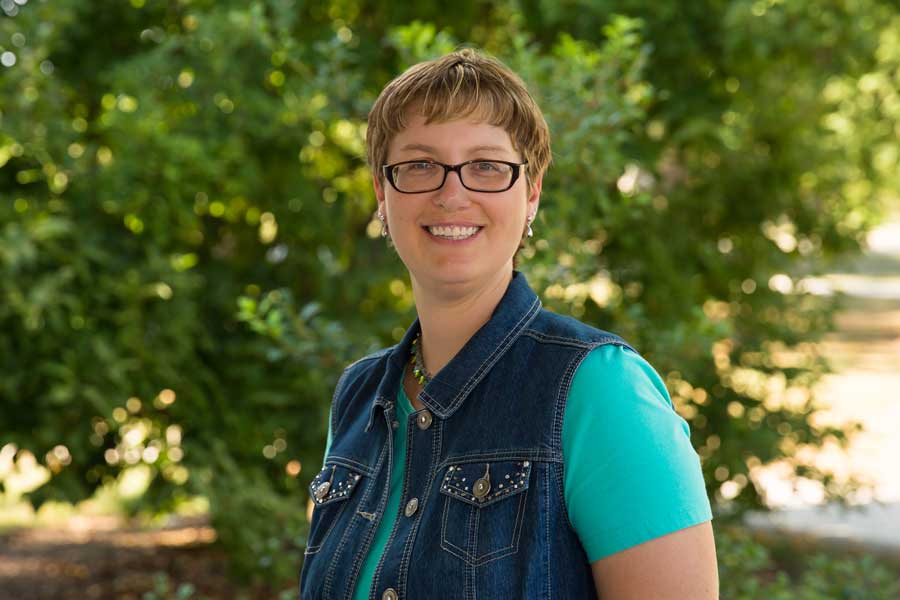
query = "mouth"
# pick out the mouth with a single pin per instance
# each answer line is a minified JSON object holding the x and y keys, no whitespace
{"x":454,"y":233}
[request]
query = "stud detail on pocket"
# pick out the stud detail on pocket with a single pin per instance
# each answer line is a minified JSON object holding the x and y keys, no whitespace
{"x":332,"y":483}
{"x":473,"y":482}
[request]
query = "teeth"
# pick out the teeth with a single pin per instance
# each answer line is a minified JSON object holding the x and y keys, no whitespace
{"x":454,"y":232}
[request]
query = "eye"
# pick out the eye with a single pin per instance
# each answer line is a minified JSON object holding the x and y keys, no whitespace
{"x":488,"y":167}
{"x":420,"y":166}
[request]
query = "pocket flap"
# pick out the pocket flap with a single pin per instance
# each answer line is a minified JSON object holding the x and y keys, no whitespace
{"x":484,"y":483}
{"x":332,"y":484}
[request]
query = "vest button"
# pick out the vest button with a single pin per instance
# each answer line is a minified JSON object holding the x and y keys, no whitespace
{"x":481,"y":488}
{"x":424,"y":419}
{"x":389,"y":594}
{"x":411,"y":507}
{"x":322,"y":490}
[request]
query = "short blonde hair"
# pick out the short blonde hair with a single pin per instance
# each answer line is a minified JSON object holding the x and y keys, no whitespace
{"x":461,"y":84}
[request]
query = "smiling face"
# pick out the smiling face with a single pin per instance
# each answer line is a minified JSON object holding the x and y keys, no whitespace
{"x":431,"y":230}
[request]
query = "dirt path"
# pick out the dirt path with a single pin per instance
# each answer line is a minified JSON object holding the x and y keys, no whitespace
{"x":865,"y":387}
{"x":98,"y":559}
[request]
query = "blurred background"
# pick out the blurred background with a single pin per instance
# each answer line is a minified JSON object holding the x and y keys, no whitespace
{"x":189,"y":256}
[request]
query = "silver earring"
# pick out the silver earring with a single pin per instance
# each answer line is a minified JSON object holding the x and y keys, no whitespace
{"x":530,"y":230}
{"x":384,"y":230}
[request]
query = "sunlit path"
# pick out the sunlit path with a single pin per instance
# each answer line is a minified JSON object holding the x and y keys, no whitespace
{"x":865,"y":387}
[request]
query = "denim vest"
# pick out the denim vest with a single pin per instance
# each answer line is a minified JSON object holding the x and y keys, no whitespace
{"x":482,"y":509}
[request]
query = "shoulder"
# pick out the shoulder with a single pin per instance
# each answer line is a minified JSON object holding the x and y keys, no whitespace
{"x":363,"y":368}
{"x":356,"y":375}
{"x":620,"y":426}
{"x":553,"y":328}
{"x":617,"y":394}
{"x":616,"y":370}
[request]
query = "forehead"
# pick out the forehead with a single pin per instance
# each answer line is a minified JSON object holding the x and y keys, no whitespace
{"x":467,"y":134}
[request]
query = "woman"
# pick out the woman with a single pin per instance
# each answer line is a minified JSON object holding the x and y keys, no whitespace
{"x":499,"y":450}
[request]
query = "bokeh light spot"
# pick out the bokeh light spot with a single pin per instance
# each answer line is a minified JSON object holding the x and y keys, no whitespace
{"x":186,"y":78}
{"x":167,"y":397}
{"x":133,"y":404}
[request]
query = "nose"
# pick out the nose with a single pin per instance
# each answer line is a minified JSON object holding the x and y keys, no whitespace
{"x":452,"y":195}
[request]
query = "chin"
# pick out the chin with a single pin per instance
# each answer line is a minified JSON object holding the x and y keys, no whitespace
{"x":454,"y":275}
{"x":446,"y":274}
{"x":460,"y":275}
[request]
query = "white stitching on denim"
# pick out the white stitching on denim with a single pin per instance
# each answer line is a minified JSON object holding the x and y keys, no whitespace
{"x":473,"y":535}
{"x":370,"y":534}
{"x":404,"y":493}
{"x":414,"y":528}
{"x":514,"y":545}
{"x":556,"y":435}
{"x":382,"y":505}
{"x":601,"y":340}
{"x":357,"y":562}
{"x":450,"y":487}
{"x":562,"y":397}
{"x":350,"y":464}
{"x":314,"y":548}
{"x":470,"y":574}
{"x":470,"y":555}
{"x":498,"y":352}
{"x":335,"y":493}
{"x":538,"y":455}
{"x":403,"y":488}
{"x":339,"y":386}
{"x":554,"y":339}
{"x":445,"y":543}
{"x":334,"y":398}
{"x":546,"y":510}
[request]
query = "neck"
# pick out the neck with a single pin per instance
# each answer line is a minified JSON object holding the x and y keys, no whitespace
{"x":448,"y":320}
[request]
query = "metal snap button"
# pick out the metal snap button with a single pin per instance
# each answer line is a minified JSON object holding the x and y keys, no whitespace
{"x":424,"y":419}
{"x":322,"y":490}
{"x":411,"y":507}
{"x":482,"y":486}
{"x":389,"y":594}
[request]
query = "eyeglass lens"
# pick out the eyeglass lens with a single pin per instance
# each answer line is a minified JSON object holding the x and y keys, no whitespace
{"x":486,"y":176}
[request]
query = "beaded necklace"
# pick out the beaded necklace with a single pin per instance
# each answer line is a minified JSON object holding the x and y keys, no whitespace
{"x":418,"y":364}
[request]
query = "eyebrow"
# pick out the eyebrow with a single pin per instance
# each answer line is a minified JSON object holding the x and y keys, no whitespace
{"x":433,"y":150}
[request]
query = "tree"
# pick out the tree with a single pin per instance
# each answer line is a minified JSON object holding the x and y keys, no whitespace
{"x":189,"y":253}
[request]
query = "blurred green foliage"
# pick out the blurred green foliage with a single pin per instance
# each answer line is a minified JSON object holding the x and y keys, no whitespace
{"x":747,"y":571}
{"x":189,"y":254}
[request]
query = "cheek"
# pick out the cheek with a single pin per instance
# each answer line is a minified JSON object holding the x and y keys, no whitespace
{"x":510,"y":213}
{"x":401,"y":218}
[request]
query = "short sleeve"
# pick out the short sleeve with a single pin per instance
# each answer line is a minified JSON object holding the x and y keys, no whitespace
{"x":630,"y":472}
{"x":328,"y":439}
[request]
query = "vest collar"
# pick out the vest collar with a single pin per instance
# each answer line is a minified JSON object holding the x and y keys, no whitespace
{"x":447,"y":390}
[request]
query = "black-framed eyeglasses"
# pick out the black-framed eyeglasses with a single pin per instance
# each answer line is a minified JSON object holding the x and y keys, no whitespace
{"x":420,"y":176}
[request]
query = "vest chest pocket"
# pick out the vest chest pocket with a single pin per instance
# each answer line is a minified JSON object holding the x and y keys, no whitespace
{"x":484,"y":504}
{"x":331,"y":490}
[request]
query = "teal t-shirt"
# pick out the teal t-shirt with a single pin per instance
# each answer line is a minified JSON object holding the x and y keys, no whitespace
{"x":619,"y":426}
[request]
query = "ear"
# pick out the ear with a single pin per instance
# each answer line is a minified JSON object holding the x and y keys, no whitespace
{"x":379,"y":193}
{"x":534,"y":195}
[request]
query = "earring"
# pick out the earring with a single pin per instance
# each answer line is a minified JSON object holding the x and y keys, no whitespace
{"x":530,"y":230}
{"x":384,"y":229}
